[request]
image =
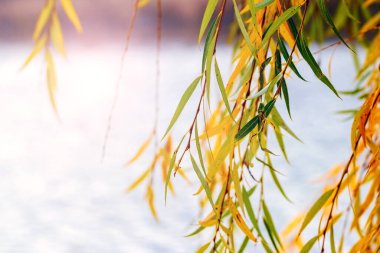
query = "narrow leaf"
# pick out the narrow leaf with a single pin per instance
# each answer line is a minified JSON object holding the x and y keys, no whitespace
{"x":42,"y":19}
{"x":285,"y":53}
{"x":276,"y":24}
{"x":203,"y":181}
{"x":326,"y":16}
{"x":211,"y":5}
{"x":71,"y":14}
{"x":40,"y":44}
{"x":309,"y":58}
{"x":247,"y":128}
{"x":315,"y":209}
{"x":309,"y":245}
{"x":222,"y":89}
{"x":184,"y":99}
{"x":243,"y":29}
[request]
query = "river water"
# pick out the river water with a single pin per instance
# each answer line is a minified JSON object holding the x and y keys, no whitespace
{"x":57,"y":196}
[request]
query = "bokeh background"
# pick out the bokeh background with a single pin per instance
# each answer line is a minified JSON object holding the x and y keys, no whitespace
{"x":55,"y":193}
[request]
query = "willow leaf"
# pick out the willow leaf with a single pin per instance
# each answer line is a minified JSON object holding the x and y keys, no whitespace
{"x":263,"y":4}
{"x":243,"y":29}
{"x":198,"y":144}
{"x":203,"y":248}
{"x":326,"y":16}
{"x":171,"y":167}
{"x":71,"y":14}
{"x":315,"y":209}
{"x":43,"y":19}
{"x":250,"y":212}
{"x":269,"y":107}
{"x":247,"y":128}
{"x":309,"y":245}
{"x":267,"y":87}
{"x":197,"y":231}
{"x":277,"y":23}
{"x":269,"y":230}
{"x":40,"y":44}
{"x":209,"y":38}
{"x":184,"y":99}
{"x":281,"y":123}
{"x":309,"y":58}
{"x":285,"y":53}
{"x":243,"y":245}
{"x":203,"y":181}
{"x":222,"y":89}
{"x":56,"y":34}
{"x":269,"y":220}
{"x":210,"y":9}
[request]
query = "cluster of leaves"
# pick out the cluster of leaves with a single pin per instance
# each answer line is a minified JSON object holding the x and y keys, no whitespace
{"x":47,"y":35}
{"x":231,"y":156}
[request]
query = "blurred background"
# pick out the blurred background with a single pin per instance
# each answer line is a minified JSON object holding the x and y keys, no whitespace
{"x":55,"y":193}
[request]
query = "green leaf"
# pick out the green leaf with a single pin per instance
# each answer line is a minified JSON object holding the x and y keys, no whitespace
{"x":198,"y":144}
{"x":281,"y":123}
{"x":285,"y":53}
{"x":274,"y":176}
{"x":277,"y":23}
{"x":281,"y":143}
{"x":309,"y":245}
{"x":243,"y":29}
{"x":250,"y":211}
{"x":268,"y":107}
{"x":267,"y":87}
{"x":269,"y":230}
{"x":171,"y":166}
{"x":222,"y":89}
{"x":315,"y":209}
{"x":197,"y":231}
{"x":203,"y":181}
{"x":243,"y":245}
{"x":211,"y":6}
{"x":269,"y":220}
{"x":184,"y":99}
{"x":247,"y":128}
{"x":309,"y":58}
{"x":210,"y":37}
{"x":326,"y":16}
{"x":263,"y":4}
{"x":285,"y":93}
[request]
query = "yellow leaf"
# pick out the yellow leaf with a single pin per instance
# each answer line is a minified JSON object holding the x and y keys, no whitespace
{"x":51,"y":78}
{"x":141,"y":150}
{"x":210,"y":220}
{"x":71,"y":14}
{"x":228,"y":145}
{"x":371,"y":24}
{"x":40,"y":44}
{"x":42,"y":19}
{"x":240,"y":222}
{"x":143,"y":3}
{"x":56,"y":34}
{"x":236,"y":180}
{"x":150,"y":198}
{"x":139,"y":180}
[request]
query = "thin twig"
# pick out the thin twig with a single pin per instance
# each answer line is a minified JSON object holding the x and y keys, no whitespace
{"x":118,"y":82}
